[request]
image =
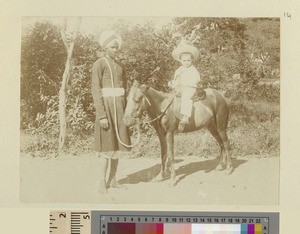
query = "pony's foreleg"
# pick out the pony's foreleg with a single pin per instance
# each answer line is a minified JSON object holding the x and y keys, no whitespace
{"x":163,"y":171}
{"x":170,"y":152}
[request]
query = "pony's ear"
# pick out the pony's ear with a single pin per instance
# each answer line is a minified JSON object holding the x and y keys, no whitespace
{"x":136,"y":83}
{"x":144,"y":87}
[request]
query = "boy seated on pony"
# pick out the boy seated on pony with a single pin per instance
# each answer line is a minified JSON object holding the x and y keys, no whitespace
{"x":186,"y":80}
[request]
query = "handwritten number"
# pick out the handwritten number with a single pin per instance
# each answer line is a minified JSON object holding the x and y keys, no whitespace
{"x":287,"y":15}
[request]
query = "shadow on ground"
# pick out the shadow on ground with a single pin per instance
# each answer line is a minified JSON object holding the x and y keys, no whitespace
{"x":150,"y":173}
{"x":206,"y":166}
{"x":145,"y":175}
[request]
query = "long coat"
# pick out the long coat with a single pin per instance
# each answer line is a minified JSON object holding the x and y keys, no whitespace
{"x":106,"y":140}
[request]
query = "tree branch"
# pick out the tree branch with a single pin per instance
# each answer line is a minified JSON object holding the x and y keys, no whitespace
{"x":63,"y":33}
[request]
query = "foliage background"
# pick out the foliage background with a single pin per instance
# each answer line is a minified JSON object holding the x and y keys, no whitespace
{"x":239,"y":56}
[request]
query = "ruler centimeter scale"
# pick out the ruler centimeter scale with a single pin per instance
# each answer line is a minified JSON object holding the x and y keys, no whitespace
{"x":161,"y":222}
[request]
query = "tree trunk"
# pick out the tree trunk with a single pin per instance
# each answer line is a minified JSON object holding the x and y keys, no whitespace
{"x":64,"y":84}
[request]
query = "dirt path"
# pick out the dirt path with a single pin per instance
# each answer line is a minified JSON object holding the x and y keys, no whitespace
{"x":74,"y":179}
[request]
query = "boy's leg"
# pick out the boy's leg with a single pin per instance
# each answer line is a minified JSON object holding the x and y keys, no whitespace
{"x":184,"y":119}
{"x":185,"y":108}
{"x":186,"y":104}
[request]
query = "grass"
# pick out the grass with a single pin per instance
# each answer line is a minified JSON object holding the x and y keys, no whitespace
{"x":254,"y":129}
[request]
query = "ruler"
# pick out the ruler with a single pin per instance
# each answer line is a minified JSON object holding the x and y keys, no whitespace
{"x":162,"y":222}
{"x":70,"y":222}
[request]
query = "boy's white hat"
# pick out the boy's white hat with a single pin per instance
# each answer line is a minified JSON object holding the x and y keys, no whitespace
{"x":108,"y":37}
{"x":184,"y":47}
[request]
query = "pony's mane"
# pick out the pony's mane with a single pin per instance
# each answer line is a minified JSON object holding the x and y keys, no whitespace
{"x":138,"y":84}
{"x":160,"y":92}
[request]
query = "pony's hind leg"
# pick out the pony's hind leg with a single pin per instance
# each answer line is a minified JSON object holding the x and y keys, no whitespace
{"x":229,"y":167}
{"x":213,"y":130}
{"x":221,"y":126}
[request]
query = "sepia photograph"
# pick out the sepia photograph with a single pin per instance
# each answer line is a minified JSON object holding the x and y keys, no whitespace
{"x":150,"y":110}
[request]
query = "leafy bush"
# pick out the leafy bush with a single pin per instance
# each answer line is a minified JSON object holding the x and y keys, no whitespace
{"x":248,"y":48}
{"x":254,"y":93}
{"x":42,"y":62}
{"x":260,"y":139}
{"x":39,"y":143}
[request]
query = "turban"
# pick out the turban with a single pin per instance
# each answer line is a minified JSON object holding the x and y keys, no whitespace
{"x":108,"y":37}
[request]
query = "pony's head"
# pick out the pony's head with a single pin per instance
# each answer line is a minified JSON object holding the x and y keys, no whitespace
{"x":136,"y":103}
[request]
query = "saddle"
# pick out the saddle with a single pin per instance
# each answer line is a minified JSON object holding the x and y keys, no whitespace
{"x":200,"y":94}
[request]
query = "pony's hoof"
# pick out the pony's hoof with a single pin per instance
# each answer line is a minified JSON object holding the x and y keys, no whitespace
{"x":102,"y":189}
{"x":229,"y":170}
{"x":220,"y":167}
{"x":172,"y":183}
{"x":117,"y":186}
{"x":157,"y":179}
{"x":161,"y":176}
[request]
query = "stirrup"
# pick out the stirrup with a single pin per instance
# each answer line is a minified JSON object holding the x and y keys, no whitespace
{"x":181,"y":127}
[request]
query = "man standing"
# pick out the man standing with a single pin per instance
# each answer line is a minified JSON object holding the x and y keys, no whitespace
{"x":108,"y":91}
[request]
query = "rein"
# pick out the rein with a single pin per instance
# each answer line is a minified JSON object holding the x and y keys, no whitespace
{"x":116,"y":117}
{"x":157,"y":117}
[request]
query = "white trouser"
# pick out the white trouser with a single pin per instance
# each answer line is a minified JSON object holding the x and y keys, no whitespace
{"x":186,"y":100}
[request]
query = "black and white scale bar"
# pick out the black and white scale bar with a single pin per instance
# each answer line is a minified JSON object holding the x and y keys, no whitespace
{"x":53,"y":227}
{"x":76,"y":219}
{"x":51,"y":223}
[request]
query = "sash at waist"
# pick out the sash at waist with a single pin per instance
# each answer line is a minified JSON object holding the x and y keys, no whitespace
{"x":113,"y":92}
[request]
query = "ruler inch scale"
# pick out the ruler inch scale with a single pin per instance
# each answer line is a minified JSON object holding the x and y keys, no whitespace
{"x":70,"y":222}
{"x":163,"y":222}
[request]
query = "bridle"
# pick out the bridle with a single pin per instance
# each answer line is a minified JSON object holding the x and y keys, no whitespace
{"x":158,"y":117}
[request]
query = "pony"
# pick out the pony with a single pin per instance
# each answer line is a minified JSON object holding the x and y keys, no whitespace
{"x":212,"y":113}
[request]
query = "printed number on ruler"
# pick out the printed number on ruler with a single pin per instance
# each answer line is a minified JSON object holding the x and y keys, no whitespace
{"x":70,"y":222}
